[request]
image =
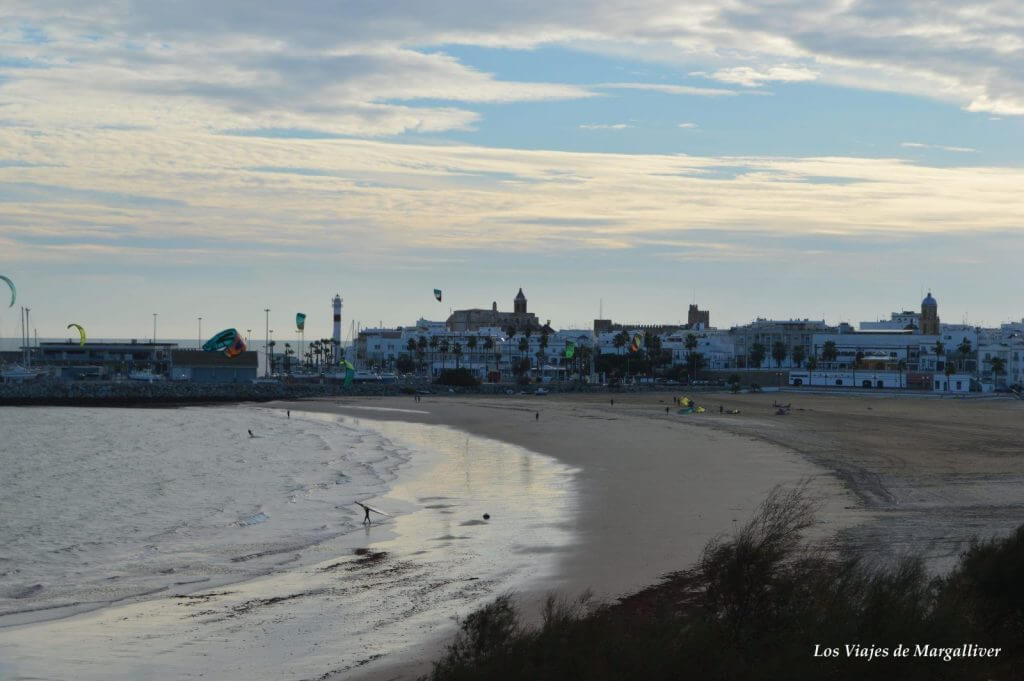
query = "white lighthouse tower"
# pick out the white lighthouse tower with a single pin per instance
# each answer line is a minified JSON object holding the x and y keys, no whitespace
{"x":336,"y":336}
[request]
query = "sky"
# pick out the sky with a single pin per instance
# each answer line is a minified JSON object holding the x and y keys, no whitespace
{"x":827,"y":159}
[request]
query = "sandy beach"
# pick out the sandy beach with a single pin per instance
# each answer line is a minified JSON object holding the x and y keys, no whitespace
{"x":583,"y":494}
{"x":899,"y":475}
{"x":654,"y":487}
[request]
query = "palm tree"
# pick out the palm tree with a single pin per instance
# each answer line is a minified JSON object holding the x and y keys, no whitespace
{"x":798,"y":354}
{"x":829,"y":352}
{"x":421,"y":345}
{"x":435,"y":341}
{"x":471,"y":343}
{"x":757,"y":354}
{"x":691,"y":347}
{"x":901,"y":366}
{"x":963,"y":350}
{"x":511,"y":331}
{"x":998,"y":366}
{"x":524,"y":345}
{"x":489,"y":345}
{"x":443,"y":346}
{"x":779,"y":352}
{"x":457,"y":351}
{"x":950,"y":370}
{"x":620,"y":340}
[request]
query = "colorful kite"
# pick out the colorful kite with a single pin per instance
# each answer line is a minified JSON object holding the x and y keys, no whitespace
{"x":638,"y":340}
{"x":437,"y":294}
{"x":236,"y":348}
{"x":228,"y":341}
{"x":300,"y":321}
{"x":350,"y":372}
{"x":14,"y":291}
{"x":570,"y":349}
{"x":81,"y":333}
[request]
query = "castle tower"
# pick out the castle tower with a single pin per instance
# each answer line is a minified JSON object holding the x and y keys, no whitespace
{"x":336,"y":336}
{"x":929,"y":316}
{"x":519,"y":305}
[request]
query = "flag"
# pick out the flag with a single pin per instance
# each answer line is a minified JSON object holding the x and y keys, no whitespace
{"x":437,"y":294}
{"x":300,"y":321}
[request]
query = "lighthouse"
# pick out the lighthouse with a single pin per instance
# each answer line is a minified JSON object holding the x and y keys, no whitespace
{"x":336,"y":336}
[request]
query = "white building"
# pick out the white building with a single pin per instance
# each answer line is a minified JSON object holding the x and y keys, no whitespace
{"x":898,"y":321}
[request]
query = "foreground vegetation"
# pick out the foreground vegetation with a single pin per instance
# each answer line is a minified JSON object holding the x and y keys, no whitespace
{"x":756,"y":606}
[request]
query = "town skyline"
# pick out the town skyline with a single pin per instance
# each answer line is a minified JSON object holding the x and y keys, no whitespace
{"x":812,"y":160}
{"x":318,"y":323}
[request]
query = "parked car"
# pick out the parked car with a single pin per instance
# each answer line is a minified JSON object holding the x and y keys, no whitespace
{"x":541,"y":391}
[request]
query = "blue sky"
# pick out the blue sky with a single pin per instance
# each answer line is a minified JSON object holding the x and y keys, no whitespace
{"x":818,"y":159}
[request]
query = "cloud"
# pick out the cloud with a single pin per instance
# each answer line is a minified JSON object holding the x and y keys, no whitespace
{"x":919,"y":145}
{"x":751,"y":77}
{"x":309,"y":199}
{"x":317,"y":62}
{"x":604,"y":126}
{"x":670,"y":89}
{"x":688,"y":125}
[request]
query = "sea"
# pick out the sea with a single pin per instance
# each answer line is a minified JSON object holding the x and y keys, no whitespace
{"x":171,"y":543}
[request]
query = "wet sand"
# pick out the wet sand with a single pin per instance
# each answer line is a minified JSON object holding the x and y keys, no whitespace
{"x":921,"y":475}
{"x":654,"y":489}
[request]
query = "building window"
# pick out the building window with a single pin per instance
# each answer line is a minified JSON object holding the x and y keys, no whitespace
{"x":839,"y":381}
{"x":958,"y":385}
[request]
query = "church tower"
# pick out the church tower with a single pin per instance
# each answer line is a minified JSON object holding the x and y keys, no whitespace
{"x":519,"y":305}
{"x":929,"y":316}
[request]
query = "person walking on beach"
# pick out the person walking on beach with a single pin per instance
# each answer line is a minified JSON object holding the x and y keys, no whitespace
{"x":613,"y":402}
{"x":366,"y":518}
{"x":289,"y":413}
{"x":537,"y":416}
{"x":250,"y":433}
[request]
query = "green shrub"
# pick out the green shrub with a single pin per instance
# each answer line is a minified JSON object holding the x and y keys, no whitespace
{"x":755,"y":607}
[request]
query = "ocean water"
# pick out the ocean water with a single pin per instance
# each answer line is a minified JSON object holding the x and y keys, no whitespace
{"x":168,"y":544}
{"x":98,"y":505}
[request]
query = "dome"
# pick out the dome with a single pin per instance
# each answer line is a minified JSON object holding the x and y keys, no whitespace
{"x":929,"y":301}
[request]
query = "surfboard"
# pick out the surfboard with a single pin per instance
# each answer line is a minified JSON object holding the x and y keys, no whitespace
{"x":375,"y":510}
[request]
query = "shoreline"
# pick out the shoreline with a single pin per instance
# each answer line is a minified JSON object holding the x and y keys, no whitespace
{"x":431,"y":557}
{"x":651,"y":494}
{"x":925,"y":476}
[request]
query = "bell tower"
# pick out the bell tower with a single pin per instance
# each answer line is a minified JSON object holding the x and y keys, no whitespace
{"x":519,"y":305}
{"x":929,"y":316}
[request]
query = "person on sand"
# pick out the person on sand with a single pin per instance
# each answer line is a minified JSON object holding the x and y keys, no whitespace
{"x":537,"y":416}
{"x":719,"y":409}
{"x":250,"y":433}
{"x":289,"y":413}
{"x":366,"y":518}
{"x":666,"y":410}
{"x":613,"y":403}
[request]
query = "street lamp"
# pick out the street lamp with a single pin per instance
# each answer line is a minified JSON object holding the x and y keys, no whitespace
{"x":266,"y":349}
{"x":200,"y":340}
